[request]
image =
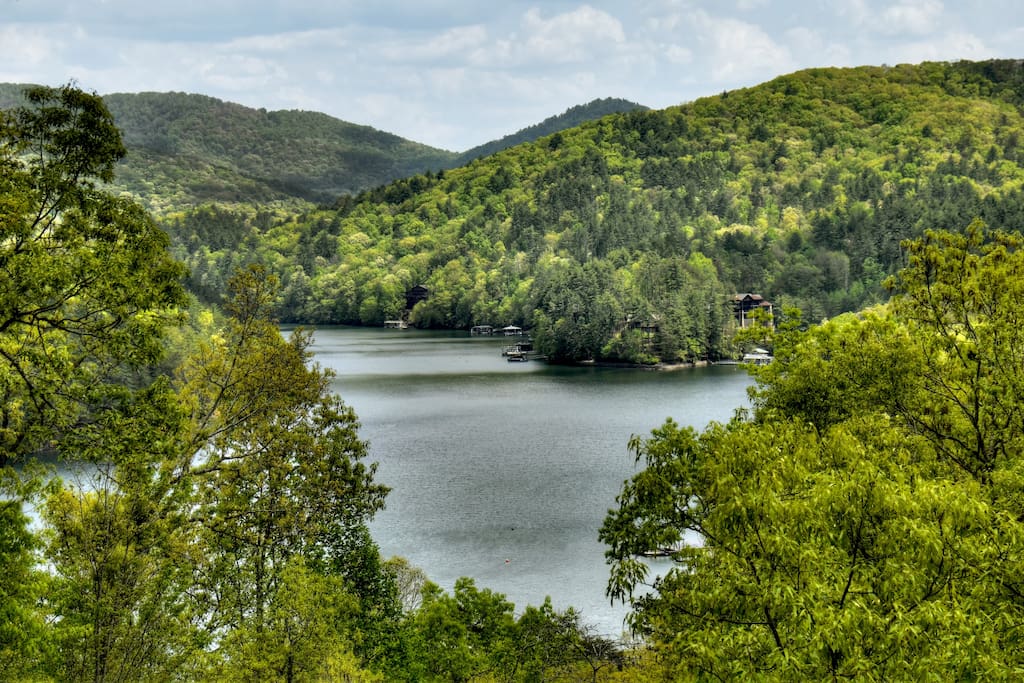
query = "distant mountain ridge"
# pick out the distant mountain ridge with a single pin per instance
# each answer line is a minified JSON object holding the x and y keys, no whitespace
{"x":211,"y":150}
{"x":185,"y":150}
{"x":570,"y":118}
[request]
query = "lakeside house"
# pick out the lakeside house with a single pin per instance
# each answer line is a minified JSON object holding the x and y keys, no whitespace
{"x":746,"y":303}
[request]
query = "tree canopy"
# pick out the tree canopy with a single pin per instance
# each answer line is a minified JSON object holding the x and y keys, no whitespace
{"x":800,"y":189}
{"x":865,"y":520}
{"x":88,"y":280}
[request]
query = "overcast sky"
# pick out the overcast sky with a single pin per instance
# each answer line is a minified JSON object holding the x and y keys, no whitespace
{"x":457,"y":73}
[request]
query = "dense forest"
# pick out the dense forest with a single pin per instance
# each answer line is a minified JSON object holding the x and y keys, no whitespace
{"x":570,"y":118}
{"x":185,"y":150}
{"x":626,"y":237}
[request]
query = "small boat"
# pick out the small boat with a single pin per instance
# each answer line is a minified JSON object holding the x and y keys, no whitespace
{"x":522,"y":347}
{"x":663,"y":551}
{"x":516,"y":357}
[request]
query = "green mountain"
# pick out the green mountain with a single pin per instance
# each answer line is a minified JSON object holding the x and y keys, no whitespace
{"x":190,"y":149}
{"x":627,"y":237}
{"x":185,"y":150}
{"x":570,"y":118}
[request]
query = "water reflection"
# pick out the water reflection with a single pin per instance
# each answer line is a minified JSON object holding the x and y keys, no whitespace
{"x":504,"y":471}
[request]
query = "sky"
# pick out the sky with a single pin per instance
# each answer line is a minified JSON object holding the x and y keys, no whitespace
{"x":457,"y":73}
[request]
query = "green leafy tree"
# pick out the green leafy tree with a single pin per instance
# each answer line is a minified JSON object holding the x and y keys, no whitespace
{"x":88,"y":287}
{"x":303,"y":636}
{"x":472,"y":634}
{"x":238,"y":480}
{"x":457,"y":634}
{"x":116,"y":590}
{"x":25,"y":646}
{"x":87,"y":274}
{"x":866,"y":522}
{"x":274,"y":472}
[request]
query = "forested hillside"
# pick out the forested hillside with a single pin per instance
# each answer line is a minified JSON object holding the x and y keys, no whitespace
{"x":571,"y":117}
{"x":626,"y":237}
{"x":185,"y":150}
{"x":209,"y":150}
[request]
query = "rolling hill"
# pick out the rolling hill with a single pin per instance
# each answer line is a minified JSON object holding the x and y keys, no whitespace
{"x":622,"y":238}
{"x":627,"y":237}
{"x":185,"y":150}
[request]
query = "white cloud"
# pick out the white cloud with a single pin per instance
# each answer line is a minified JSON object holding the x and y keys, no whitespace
{"x":853,"y":12}
{"x":23,"y":48}
{"x":288,"y":41}
{"x":450,"y":81}
{"x":740,"y":51}
{"x":947,"y":46}
{"x":238,"y":72}
{"x":916,"y":17}
{"x":1009,"y":40}
{"x":677,"y":54}
{"x":572,"y":36}
{"x":814,"y":48}
{"x":453,"y":43}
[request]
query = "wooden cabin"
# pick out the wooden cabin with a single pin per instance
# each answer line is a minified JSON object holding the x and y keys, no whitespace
{"x":745,"y":304}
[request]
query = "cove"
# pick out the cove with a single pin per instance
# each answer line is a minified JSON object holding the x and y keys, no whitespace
{"x":503,"y":471}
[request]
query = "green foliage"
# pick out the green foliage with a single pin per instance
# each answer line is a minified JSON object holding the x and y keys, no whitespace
{"x":800,"y":189}
{"x":865,"y":522}
{"x":301,"y":636}
{"x":115,"y":590}
{"x":186,"y":150}
{"x":472,"y":634}
{"x":224,"y":529}
{"x":571,"y":117}
{"x":24,"y":643}
{"x":191,"y":149}
{"x":87,"y":275}
{"x":217,"y":526}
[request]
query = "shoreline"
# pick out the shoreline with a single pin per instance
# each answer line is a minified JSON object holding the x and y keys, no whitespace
{"x":656,"y":367}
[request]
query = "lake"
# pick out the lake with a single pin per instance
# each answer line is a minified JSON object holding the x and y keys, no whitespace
{"x":504,"y":471}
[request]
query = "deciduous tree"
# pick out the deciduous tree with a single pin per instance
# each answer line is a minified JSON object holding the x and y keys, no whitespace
{"x":87,"y":278}
{"x":866,"y":522}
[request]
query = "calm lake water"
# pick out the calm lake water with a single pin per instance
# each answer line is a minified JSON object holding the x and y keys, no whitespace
{"x":502,"y":471}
